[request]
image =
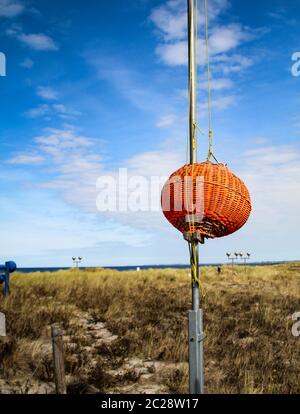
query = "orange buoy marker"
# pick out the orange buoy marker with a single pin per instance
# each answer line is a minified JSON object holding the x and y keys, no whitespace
{"x":202,"y":200}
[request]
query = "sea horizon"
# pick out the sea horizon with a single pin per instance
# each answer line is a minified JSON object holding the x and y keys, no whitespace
{"x":146,"y":267}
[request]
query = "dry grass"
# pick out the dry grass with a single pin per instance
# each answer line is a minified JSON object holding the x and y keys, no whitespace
{"x":249,"y":347}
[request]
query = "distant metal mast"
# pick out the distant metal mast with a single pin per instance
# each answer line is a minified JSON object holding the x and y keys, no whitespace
{"x":196,"y":371}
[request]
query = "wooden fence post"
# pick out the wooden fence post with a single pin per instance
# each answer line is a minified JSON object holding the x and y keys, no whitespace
{"x":2,"y":325}
{"x":58,"y":358}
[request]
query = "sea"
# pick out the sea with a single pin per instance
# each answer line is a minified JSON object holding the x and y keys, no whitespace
{"x":147,"y":267}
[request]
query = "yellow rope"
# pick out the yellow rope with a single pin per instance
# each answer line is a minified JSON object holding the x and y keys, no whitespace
{"x":194,"y":264}
{"x":210,"y":133}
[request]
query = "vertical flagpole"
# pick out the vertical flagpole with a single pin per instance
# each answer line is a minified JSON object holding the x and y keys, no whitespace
{"x":196,"y":374}
{"x":192,"y":80}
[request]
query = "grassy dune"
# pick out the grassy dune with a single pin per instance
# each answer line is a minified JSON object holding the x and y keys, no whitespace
{"x":249,"y":347}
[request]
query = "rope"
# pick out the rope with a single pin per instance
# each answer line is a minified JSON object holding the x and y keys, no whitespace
{"x":31,"y":376}
{"x":194,"y":263}
{"x":195,"y":272}
{"x":210,"y":133}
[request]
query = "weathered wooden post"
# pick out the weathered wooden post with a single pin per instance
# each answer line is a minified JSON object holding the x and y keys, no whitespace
{"x":2,"y":325}
{"x":3,"y":337}
{"x":59,"y":360}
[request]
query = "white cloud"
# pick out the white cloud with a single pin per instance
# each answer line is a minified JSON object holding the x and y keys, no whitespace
{"x":11,"y":8}
{"x":228,"y":64}
{"x":27,"y":63}
{"x":226,"y":38}
{"x":46,"y":110}
{"x":38,"y":41}
{"x":39,"y":111}
{"x":220,"y":103}
{"x":73,"y":164}
{"x":215,"y":8}
{"x":223,"y":39}
{"x":166,"y":121}
{"x":62,"y":139}
{"x":47,"y":93}
{"x":26,"y":159}
{"x":221,"y":84}
{"x":173,"y":54}
{"x":272,"y":155}
{"x":171,"y":18}
{"x":35,"y":41}
{"x":273,"y":175}
{"x":152,"y":163}
{"x":170,"y":21}
{"x":223,"y":102}
{"x":261,"y":141}
{"x":280,"y":14}
{"x":65,"y":112}
{"x":217,"y":84}
{"x":45,"y":228}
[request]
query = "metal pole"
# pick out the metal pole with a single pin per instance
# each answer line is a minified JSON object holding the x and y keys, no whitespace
{"x":192,"y":80}
{"x":196,"y":372}
{"x":196,"y":364}
{"x":7,"y":283}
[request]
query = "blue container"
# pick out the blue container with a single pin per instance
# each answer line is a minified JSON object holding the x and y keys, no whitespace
{"x":5,"y":271}
{"x":11,"y":266}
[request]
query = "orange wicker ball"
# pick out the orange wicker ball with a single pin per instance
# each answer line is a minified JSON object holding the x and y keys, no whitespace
{"x":225,"y":200}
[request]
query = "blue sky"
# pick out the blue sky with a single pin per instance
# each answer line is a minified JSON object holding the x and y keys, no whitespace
{"x":91,"y":89}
